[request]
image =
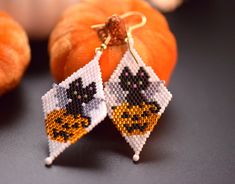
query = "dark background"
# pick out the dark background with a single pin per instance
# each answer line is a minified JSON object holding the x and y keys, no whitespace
{"x":194,"y":142}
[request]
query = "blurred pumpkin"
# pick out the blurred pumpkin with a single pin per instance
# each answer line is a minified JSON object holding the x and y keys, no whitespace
{"x":14,"y":53}
{"x":73,"y":41}
{"x":166,"y":5}
{"x":37,"y":17}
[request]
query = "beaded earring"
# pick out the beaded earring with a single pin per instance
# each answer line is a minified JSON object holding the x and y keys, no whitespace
{"x":74,"y":107}
{"x":135,"y":96}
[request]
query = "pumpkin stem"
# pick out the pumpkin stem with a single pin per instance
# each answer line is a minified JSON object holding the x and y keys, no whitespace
{"x":115,"y":27}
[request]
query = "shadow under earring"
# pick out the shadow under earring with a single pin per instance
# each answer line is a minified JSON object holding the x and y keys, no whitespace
{"x":135,"y":96}
{"x":74,"y":107}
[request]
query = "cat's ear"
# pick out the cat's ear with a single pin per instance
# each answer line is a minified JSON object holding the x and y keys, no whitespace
{"x":74,"y":86}
{"x":77,"y":83}
{"x":91,"y":88}
{"x":142,"y":74}
{"x":126,"y":78}
{"x":126,"y":73}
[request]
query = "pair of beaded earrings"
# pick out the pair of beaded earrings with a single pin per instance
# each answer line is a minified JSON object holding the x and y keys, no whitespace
{"x":134,"y":99}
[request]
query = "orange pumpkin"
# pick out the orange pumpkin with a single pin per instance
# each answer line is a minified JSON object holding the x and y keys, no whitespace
{"x":14,"y":53}
{"x":73,"y":41}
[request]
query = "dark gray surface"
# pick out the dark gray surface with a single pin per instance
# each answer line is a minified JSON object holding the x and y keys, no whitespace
{"x":194,"y":142}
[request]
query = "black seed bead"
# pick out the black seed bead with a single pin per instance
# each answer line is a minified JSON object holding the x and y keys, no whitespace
{"x":140,"y":105}
{"x":85,"y":124}
{"x":113,"y":107}
{"x":64,"y":135}
{"x":66,"y":126}
{"x":55,"y":134}
{"x":145,"y":114}
{"x":135,"y":126}
{"x":152,"y":109}
{"x":128,"y":128}
{"x":129,"y":106}
{"x":142,"y":128}
{"x":58,"y":120}
{"x":135,"y":117}
{"x":125,"y":115}
{"x":75,"y":125}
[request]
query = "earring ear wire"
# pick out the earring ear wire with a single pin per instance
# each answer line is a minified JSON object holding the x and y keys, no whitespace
{"x":104,"y":45}
{"x":135,"y":26}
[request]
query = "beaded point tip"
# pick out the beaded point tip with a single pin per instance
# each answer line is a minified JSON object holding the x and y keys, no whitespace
{"x":49,"y":160}
{"x":136,"y":157}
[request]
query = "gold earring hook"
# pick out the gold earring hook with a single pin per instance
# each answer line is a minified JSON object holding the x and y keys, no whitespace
{"x":133,"y":27}
{"x":104,"y":45}
{"x":136,"y":26}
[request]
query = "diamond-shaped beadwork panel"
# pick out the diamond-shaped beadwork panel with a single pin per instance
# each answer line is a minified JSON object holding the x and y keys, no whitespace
{"x":74,"y":107}
{"x":136,"y":99}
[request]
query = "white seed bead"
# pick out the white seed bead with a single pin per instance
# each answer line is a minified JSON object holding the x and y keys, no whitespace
{"x":48,"y":161}
{"x":136,"y":157}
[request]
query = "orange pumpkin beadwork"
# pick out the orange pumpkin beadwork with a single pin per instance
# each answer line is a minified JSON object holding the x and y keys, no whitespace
{"x":62,"y":128}
{"x":14,"y":53}
{"x":73,"y":41}
{"x":135,"y":120}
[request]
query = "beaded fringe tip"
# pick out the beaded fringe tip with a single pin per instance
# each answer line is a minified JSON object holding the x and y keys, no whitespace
{"x":73,"y":108}
{"x":136,"y":99}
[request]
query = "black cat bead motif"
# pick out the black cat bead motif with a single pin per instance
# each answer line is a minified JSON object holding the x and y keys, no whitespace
{"x":79,"y":96}
{"x":134,"y":84}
